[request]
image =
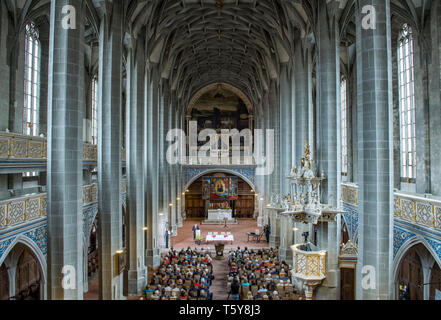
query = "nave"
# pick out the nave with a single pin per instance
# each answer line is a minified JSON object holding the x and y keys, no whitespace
{"x":306,"y":126}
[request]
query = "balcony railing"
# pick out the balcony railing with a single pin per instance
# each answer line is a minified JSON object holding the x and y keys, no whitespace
{"x":349,"y":193}
{"x":90,"y":194}
{"x":90,"y":152}
{"x":424,"y":211}
{"x":15,"y":146}
{"x":20,"y":210}
{"x":19,"y":147}
{"x":414,"y":208}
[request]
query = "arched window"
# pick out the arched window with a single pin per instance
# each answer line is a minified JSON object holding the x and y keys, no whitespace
{"x":344,"y":127}
{"x":31,"y":81}
{"x":95,"y":110}
{"x":407,"y":104}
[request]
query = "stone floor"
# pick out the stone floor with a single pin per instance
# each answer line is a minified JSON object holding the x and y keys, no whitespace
{"x":184,"y":238}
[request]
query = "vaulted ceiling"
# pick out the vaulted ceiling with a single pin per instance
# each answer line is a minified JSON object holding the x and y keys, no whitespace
{"x":243,"y":43}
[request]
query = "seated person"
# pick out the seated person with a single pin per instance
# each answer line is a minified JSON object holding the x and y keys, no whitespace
{"x":262,"y":290}
{"x":193,"y":292}
{"x":183,"y":295}
{"x":204,"y":293}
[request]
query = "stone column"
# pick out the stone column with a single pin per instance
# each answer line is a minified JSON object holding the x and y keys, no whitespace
{"x":286,"y":238}
{"x":375,"y":157}
{"x":285,"y":130}
{"x":266,"y":126}
{"x":65,"y":154}
{"x":109,"y":153}
{"x":328,"y":133}
{"x":163,"y":182}
{"x":151,"y":176}
{"x":180,"y":182}
{"x":137,"y":276}
{"x":275,"y":227}
{"x":274,"y":114}
{"x":302,"y":88}
{"x":171,"y":124}
{"x":260,"y":179}
{"x":178,"y":177}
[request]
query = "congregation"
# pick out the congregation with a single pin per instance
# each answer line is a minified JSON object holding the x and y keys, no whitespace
{"x":259,"y":275}
{"x":182,"y":275}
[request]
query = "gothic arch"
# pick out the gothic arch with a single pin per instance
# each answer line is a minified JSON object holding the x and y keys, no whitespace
{"x":405,"y":248}
{"x":222,"y":85}
{"x":190,"y":182}
{"x":32,"y":246}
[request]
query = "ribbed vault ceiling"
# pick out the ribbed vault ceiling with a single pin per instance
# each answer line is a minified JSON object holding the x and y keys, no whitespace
{"x":197,"y":42}
{"x":243,"y":43}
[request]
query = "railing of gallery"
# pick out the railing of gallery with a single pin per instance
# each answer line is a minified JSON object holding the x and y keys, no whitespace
{"x":22,"y":209}
{"x":27,"y":208}
{"x":215,"y":157}
{"x":15,"y":146}
{"x":424,"y":211}
{"x":349,"y":193}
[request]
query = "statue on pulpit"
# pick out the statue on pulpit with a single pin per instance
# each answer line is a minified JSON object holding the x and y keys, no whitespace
{"x":287,"y":201}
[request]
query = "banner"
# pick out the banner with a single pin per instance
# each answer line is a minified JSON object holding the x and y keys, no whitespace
{"x":219,"y":188}
{"x":206,"y":181}
{"x":232,"y":188}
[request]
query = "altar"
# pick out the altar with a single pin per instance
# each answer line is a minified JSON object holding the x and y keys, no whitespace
{"x":220,"y":214}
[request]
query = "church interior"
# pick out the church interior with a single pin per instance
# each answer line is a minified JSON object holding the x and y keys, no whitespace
{"x":220,"y":150}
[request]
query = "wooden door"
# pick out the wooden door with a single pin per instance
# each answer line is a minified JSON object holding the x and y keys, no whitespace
{"x":4,"y":283}
{"x":347,"y":284}
{"x":411,"y":275}
{"x":435,"y":281}
{"x":28,"y":277}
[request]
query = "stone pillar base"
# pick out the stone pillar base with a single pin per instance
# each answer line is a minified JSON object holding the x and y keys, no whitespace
{"x":274,"y":241}
{"x":137,"y":280}
{"x":153,"y":258}
{"x":330,"y":288}
{"x":285,"y":254}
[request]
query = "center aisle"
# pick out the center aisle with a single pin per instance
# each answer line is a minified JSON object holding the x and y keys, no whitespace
{"x":219,"y":285}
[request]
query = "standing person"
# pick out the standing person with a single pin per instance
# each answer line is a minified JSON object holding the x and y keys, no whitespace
{"x":267,"y":233}
{"x":195,"y":227}
{"x":235,"y":288}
